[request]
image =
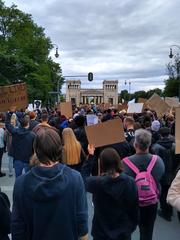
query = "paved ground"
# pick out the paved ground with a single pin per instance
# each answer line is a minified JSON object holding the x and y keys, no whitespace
{"x":163,"y":230}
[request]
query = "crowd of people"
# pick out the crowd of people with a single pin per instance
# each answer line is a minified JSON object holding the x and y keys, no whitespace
{"x":127,"y":180}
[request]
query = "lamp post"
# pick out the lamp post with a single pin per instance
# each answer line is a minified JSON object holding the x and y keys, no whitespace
{"x":177,"y":65}
{"x":129,"y":82}
{"x":57,"y":55}
{"x":129,"y":91}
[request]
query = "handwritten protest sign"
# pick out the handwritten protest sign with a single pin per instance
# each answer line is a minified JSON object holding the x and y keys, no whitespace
{"x":66,"y":109}
{"x":105,"y":133}
{"x":135,"y":107}
{"x":13,"y":96}
{"x":91,"y":119}
{"x":177,"y":130}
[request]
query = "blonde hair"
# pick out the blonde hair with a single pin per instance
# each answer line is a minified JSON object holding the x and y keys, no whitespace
{"x":72,"y":147}
{"x":13,"y":119}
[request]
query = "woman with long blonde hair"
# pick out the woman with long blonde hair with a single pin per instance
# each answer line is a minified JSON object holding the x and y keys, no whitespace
{"x":73,"y":154}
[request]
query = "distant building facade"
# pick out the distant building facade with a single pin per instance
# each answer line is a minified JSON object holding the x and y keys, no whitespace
{"x":78,"y":95}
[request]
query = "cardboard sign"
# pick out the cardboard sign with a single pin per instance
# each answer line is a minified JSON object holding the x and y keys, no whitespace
{"x":172,"y":102}
{"x":157,"y":104}
{"x":142,"y":100}
{"x":91,"y":119}
{"x":177,"y":130}
{"x":105,"y":133}
{"x":122,"y":107}
{"x":135,"y":108}
{"x":13,"y":96}
{"x":66,"y":109}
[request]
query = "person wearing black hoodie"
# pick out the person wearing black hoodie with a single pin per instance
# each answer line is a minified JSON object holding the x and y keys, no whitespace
{"x":165,"y":148}
{"x":114,"y":196}
{"x":22,"y":143}
{"x":49,"y":202}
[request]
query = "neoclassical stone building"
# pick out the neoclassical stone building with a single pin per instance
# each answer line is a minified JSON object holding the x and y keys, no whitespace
{"x":77,"y":95}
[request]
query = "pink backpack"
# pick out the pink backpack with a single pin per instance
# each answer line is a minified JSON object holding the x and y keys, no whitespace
{"x":147,"y":188}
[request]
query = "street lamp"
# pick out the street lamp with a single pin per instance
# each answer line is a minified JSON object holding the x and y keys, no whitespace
{"x":177,"y":67}
{"x":58,"y":83}
{"x":57,"y":53}
{"x":129,"y":82}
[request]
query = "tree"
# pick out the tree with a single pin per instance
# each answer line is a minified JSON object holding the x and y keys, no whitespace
{"x":171,"y":87}
{"x":172,"y":84}
{"x":24,"y":54}
{"x":155,"y":90}
{"x":140,"y":94}
{"x":125,"y":95}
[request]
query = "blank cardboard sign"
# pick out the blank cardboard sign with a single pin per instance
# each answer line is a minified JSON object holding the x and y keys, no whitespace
{"x":157,"y":104}
{"x":105,"y":133}
{"x":172,"y":102}
{"x":142,"y":100}
{"x":177,"y":131}
{"x":135,"y":108}
{"x":66,"y":109}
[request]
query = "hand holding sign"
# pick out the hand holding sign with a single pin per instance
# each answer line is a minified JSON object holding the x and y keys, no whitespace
{"x":91,"y":149}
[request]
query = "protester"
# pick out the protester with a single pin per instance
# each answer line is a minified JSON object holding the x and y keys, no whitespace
{"x":141,"y":161}
{"x":5,"y":216}
{"x":1,"y":148}
{"x":9,"y":147}
{"x":165,"y":148}
{"x":129,"y":128}
{"x":22,"y":143}
{"x":114,"y":196}
{"x":73,"y":153}
{"x":155,"y":126}
{"x":49,"y":202}
{"x":33,"y":122}
{"x":80,"y":132}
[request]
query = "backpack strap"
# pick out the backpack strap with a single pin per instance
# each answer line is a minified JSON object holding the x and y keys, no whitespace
{"x":131,"y":165}
{"x":152,"y":163}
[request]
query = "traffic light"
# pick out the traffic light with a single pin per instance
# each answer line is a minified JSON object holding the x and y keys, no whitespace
{"x":90,"y":76}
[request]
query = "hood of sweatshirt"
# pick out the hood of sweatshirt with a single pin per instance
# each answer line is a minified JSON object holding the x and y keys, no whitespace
{"x":166,"y":142}
{"x":47,"y":183}
{"x":115,"y":187}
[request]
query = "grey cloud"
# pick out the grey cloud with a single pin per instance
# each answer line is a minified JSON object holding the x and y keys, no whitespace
{"x":125,"y":39}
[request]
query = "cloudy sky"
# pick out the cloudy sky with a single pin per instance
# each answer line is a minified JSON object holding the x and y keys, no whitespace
{"x":114,"y":39}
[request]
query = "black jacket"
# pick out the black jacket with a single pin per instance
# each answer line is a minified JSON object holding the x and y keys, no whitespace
{"x":32,"y":124}
{"x":80,"y":134}
{"x":49,"y":203}
{"x":115,"y":204}
{"x":22,"y":141}
{"x":5,"y":216}
{"x":165,"y":148}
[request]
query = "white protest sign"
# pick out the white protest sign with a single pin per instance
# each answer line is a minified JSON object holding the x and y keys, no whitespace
{"x":135,"y":108}
{"x":30,"y":107}
{"x":91,"y":119}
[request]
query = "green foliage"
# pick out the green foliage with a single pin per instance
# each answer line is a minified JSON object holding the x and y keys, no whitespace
{"x":171,"y":84}
{"x":24,"y":54}
{"x":171,"y":87}
{"x":140,"y":94}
